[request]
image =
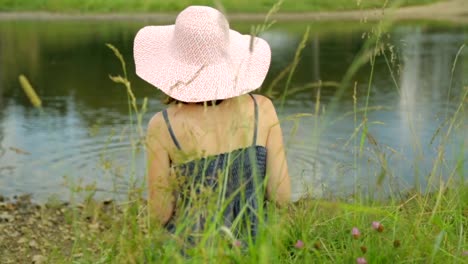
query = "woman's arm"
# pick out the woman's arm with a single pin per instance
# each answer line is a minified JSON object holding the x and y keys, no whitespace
{"x":279,"y":184}
{"x":160,"y":188}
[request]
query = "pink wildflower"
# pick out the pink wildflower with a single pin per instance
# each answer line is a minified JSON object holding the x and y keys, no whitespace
{"x":237,"y":243}
{"x":355,"y":232}
{"x":299,"y":244}
{"x":377,"y":226}
{"x":361,"y":261}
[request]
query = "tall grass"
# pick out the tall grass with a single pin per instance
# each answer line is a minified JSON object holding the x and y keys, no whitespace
{"x":405,"y":227}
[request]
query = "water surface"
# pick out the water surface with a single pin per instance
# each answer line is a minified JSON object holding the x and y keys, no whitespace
{"x":82,"y":136}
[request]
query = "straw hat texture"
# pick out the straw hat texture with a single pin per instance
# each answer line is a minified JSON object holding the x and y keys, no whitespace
{"x":200,"y":58}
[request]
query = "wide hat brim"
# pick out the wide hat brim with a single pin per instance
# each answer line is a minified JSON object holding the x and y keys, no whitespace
{"x":243,"y":69}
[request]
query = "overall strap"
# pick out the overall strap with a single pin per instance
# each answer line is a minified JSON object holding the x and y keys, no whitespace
{"x":255,"y":120}
{"x":169,"y":128}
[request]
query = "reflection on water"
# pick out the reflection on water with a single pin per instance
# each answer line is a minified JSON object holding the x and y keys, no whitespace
{"x":427,"y":97}
{"x":82,"y":136}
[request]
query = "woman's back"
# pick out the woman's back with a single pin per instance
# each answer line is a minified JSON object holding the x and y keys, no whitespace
{"x":210,"y":130}
{"x":234,"y":179}
{"x":189,"y":134}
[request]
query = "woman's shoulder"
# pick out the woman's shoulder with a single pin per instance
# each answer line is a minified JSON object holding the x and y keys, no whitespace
{"x":265,"y":104}
{"x":261,"y":98}
{"x":156,"y":123}
{"x":162,"y":119}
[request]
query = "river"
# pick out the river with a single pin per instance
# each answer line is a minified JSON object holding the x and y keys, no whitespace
{"x":80,"y":143}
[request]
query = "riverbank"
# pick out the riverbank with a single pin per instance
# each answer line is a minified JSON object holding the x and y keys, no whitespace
{"x":455,"y":11}
{"x":243,"y":6}
{"x":38,"y":233}
{"x":414,"y":228}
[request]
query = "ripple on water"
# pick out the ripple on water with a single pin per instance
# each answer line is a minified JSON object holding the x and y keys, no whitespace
{"x":61,"y":145}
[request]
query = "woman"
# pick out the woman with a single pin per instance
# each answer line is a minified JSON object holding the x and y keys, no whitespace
{"x":214,"y":138}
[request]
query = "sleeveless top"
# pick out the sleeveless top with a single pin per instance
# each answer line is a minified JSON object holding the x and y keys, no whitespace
{"x":235,"y":178}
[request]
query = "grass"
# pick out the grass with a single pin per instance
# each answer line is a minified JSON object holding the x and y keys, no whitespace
{"x":416,"y":229}
{"x":106,"y":6}
{"x":411,"y":226}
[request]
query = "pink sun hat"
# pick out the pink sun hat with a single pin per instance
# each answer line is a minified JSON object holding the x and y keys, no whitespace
{"x":199,"y":58}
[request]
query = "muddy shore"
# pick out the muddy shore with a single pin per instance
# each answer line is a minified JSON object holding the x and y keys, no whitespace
{"x":31,"y":232}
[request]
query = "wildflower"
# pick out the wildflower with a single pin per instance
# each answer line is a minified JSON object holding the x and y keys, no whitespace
{"x":237,"y":243}
{"x":355,"y":232}
{"x":317,"y":245}
{"x":364,"y":249}
{"x":299,"y":244}
{"x":465,"y":253}
{"x":361,"y":261}
{"x":377,"y":226}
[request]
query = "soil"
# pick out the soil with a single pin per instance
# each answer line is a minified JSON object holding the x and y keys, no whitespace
{"x":451,"y":10}
{"x":31,"y":233}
